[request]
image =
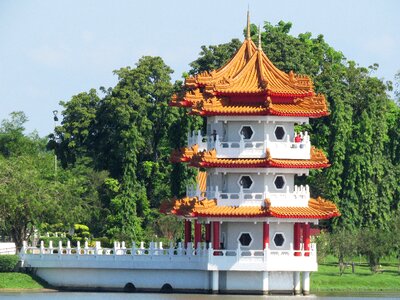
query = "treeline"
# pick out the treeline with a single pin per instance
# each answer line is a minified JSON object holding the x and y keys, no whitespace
{"x":113,"y":145}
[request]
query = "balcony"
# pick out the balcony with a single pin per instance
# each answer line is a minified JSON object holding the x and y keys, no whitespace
{"x":299,"y":197}
{"x":285,"y":149}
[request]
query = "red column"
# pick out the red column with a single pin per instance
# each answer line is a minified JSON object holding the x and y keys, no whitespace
{"x":188,"y":232}
{"x":265,"y":234}
{"x":197,"y":233}
{"x":208,"y":232}
{"x":216,"y":244}
{"x":306,"y":238}
{"x":296,"y":239}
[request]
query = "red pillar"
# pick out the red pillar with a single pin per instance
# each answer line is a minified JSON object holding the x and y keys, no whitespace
{"x":265,"y":234}
{"x":197,"y":233}
{"x":306,"y":238}
{"x":208,"y":232}
{"x":188,"y":232}
{"x":216,"y":243}
{"x":296,"y":239}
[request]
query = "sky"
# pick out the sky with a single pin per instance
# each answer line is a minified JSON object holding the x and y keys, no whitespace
{"x":51,"y":50}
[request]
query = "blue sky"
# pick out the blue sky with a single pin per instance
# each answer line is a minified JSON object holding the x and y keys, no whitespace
{"x":51,"y":50}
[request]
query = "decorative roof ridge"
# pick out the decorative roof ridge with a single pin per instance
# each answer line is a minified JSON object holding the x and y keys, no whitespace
{"x":323,"y":204}
{"x":244,"y":53}
{"x":252,"y":63}
{"x":292,"y":79}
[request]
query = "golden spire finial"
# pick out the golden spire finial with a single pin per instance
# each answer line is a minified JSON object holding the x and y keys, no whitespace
{"x":248,"y":24}
{"x":259,"y":37}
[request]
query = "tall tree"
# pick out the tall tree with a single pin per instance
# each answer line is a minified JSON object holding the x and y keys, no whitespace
{"x":30,"y":191}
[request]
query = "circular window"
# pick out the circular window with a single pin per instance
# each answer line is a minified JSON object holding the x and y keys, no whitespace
{"x":279,"y":132}
{"x":279,"y":239}
{"x":247,"y":132}
{"x":246,"y":182}
{"x":245,"y":239}
{"x":279,"y":182}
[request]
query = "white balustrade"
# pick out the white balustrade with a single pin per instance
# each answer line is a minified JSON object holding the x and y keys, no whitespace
{"x":299,"y":197}
{"x":197,"y":138}
{"x":290,"y":149}
{"x":285,"y":149}
{"x":193,"y":191}
{"x":240,"y":149}
{"x":210,"y":259}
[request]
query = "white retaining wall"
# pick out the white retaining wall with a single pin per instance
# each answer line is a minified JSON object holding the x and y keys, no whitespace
{"x":7,"y":248}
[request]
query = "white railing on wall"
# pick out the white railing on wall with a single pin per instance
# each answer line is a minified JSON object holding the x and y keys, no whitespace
{"x":299,"y":197}
{"x":284,"y":149}
{"x":193,"y":191}
{"x":155,"y":253}
{"x":197,"y":138}
{"x":289,"y":149}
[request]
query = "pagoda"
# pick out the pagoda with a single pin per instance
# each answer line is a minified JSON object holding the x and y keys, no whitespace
{"x":245,"y":204}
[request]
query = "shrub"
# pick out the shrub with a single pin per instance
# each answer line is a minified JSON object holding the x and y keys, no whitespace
{"x":8,"y":262}
{"x":80,"y":228}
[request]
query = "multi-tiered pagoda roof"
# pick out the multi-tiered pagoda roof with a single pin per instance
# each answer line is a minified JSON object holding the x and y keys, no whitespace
{"x":250,"y":84}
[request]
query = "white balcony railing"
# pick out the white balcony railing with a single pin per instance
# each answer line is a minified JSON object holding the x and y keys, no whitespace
{"x":155,"y":256}
{"x":197,"y":138}
{"x":299,"y":197}
{"x":289,"y":149}
{"x":285,"y":149}
{"x":194,"y":191}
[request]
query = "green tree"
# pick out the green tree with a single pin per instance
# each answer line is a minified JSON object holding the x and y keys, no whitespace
{"x":344,"y":245}
{"x":74,"y":139}
{"x":375,"y":244}
{"x":30,"y":193}
{"x":127,"y":133}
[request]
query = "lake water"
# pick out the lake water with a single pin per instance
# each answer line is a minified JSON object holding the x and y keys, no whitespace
{"x":150,"y":296}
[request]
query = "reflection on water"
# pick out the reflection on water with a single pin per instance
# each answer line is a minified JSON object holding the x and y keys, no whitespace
{"x":149,"y":296}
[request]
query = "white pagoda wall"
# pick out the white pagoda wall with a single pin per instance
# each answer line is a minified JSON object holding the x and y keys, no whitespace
{"x":259,"y":182}
{"x":229,"y":131}
{"x":231,"y":231}
{"x":287,"y":229}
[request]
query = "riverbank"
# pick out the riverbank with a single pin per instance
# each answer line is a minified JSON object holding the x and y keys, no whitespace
{"x":326,"y":280}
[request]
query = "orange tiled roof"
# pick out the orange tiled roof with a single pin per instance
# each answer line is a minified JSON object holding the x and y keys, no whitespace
{"x":234,"y":65}
{"x":183,"y":154}
{"x":201,"y":180}
{"x":308,"y":106}
{"x":209,"y":159}
{"x":317,"y":209}
{"x":250,"y":72}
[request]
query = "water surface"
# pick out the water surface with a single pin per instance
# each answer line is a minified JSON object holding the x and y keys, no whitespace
{"x":152,"y":296}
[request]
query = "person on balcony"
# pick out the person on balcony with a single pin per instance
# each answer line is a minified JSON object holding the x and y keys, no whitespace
{"x":297,"y":139}
{"x":214,"y":135}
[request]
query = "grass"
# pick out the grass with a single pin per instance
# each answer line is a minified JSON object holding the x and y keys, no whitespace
{"x":327,"y":279}
{"x":14,"y":280}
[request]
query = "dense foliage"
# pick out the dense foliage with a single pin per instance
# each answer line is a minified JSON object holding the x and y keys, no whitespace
{"x":114,"y":145}
{"x":8,"y":262}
